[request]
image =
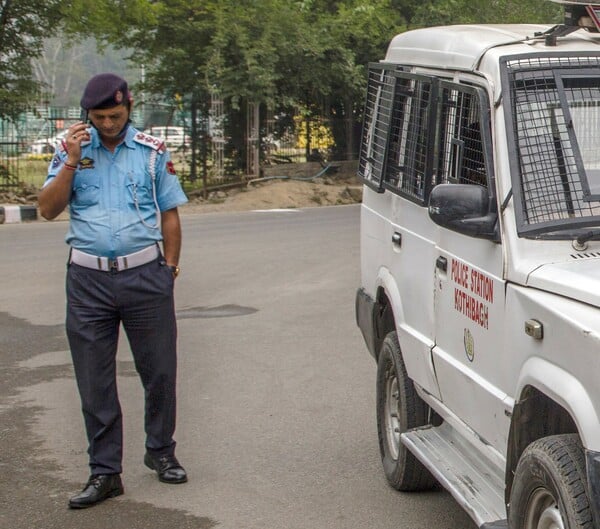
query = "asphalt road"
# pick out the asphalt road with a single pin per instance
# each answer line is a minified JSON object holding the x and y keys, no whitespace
{"x":276,"y":419}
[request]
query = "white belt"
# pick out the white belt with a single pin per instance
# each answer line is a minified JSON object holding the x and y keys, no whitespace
{"x":106,"y":264}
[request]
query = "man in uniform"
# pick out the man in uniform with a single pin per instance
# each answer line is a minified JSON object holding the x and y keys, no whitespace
{"x":123,"y":194}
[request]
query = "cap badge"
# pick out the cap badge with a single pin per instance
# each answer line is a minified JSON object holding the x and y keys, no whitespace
{"x":118,"y":96}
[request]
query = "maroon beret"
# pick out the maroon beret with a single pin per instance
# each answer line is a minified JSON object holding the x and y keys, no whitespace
{"x":105,"y":90}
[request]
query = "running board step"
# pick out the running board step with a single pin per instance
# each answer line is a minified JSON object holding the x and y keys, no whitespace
{"x":476,"y":483}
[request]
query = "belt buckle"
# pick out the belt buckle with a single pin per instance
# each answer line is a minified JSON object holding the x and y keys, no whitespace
{"x":113,"y":265}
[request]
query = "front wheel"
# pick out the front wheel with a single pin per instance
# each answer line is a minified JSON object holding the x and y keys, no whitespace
{"x":550,"y":489}
{"x":399,"y":409}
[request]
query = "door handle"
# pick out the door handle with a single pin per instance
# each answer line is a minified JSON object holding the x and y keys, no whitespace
{"x":442,"y":264}
{"x":397,"y":238}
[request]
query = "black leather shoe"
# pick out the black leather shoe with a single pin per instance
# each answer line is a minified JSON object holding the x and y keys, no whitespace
{"x":98,"y":488}
{"x":167,"y":467}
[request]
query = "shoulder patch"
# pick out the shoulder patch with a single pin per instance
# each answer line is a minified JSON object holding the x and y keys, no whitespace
{"x":150,"y":141}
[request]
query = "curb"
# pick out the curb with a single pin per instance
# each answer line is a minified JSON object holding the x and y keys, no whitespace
{"x":11,"y":214}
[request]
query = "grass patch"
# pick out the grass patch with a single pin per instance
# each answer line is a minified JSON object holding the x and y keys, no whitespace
{"x":33,"y":171}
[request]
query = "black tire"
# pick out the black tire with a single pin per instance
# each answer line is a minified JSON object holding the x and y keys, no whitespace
{"x":399,"y":409}
{"x":550,"y":487}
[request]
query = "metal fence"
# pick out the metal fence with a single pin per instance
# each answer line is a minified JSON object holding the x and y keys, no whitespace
{"x":27,"y":143}
{"x":10,"y":148}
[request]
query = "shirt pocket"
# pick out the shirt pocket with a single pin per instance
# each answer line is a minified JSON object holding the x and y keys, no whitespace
{"x":139,"y":191}
{"x":86,"y":189}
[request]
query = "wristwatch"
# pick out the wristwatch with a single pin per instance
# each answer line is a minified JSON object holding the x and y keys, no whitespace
{"x":175,"y":270}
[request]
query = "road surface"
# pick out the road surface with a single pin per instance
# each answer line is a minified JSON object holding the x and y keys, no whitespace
{"x":276,"y":423}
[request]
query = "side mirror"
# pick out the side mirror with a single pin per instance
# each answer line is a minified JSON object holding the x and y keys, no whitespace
{"x":464,"y":208}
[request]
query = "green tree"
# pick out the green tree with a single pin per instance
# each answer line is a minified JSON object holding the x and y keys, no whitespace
{"x":175,"y":50}
{"x":23,"y":26}
{"x":275,"y":53}
{"x":310,"y":54}
{"x":305,"y":53}
{"x":363,"y":29}
{"x":443,"y":12}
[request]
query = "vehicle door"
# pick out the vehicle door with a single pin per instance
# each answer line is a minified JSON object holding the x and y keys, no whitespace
{"x":411,"y":234}
{"x":468,"y":275}
{"x":396,"y":233}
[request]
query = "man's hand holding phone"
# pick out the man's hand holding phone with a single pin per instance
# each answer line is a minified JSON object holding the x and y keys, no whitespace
{"x":76,"y":134}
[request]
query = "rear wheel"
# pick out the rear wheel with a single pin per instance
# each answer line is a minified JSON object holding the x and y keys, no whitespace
{"x":399,"y":409}
{"x":550,"y":489}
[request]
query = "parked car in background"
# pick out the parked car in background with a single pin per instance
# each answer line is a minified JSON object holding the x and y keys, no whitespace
{"x":174,"y":137}
{"x":46,"y":145}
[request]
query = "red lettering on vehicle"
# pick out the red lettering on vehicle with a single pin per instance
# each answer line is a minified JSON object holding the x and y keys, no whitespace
{"x":480,"y":287}
{"x":460,"y":273}
{"x":472,"y":308}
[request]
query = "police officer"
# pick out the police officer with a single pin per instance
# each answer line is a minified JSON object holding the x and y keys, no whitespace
{"x":123,"y":194}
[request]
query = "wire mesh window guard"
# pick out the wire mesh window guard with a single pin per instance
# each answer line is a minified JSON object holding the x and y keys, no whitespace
{"x":378,"y":107}
{"x":408,"y":163}
{"x":413,"y":139}
{"x":553,"y":122}
{"x":462,"y":157}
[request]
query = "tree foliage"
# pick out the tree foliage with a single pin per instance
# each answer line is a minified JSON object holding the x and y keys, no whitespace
{"x":309,"y":54}
{"x":23,"y":26}
{"x":443,"y":12}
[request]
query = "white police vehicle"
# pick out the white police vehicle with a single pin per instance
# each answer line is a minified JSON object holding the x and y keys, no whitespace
{"x":480,"y":266}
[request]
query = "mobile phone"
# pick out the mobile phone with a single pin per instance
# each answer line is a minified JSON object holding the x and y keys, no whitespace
{"x":84,"y":116}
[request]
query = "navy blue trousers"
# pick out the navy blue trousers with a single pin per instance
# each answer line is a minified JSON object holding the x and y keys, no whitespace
{"x":98,"y":302}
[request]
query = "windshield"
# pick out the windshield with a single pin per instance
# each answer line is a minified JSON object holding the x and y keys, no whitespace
{"x":553,"y":122}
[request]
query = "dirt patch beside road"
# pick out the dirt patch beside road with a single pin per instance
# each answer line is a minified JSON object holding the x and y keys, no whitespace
{"x":274,"y":194}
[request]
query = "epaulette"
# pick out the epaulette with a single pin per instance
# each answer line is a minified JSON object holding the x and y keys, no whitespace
{"x":150,"y":141}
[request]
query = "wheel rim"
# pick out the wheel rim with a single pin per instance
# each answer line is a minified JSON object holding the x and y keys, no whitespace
{"x":392,"y":424}
{"x":543,"y":512}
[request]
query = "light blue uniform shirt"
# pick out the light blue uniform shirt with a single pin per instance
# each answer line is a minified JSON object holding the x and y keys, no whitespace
{"x":112,"y":204}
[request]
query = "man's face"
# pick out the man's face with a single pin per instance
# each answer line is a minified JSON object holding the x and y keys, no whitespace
{"x":109,"y":121}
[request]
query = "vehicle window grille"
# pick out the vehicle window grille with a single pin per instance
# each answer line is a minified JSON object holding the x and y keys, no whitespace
{"x":555,"y":116}
{"x":461,"y":153}
{"x":380,"y":90}
{"x":410,"y":137}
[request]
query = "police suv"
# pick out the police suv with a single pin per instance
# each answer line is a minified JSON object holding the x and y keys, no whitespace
{"x":480,"y":266}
